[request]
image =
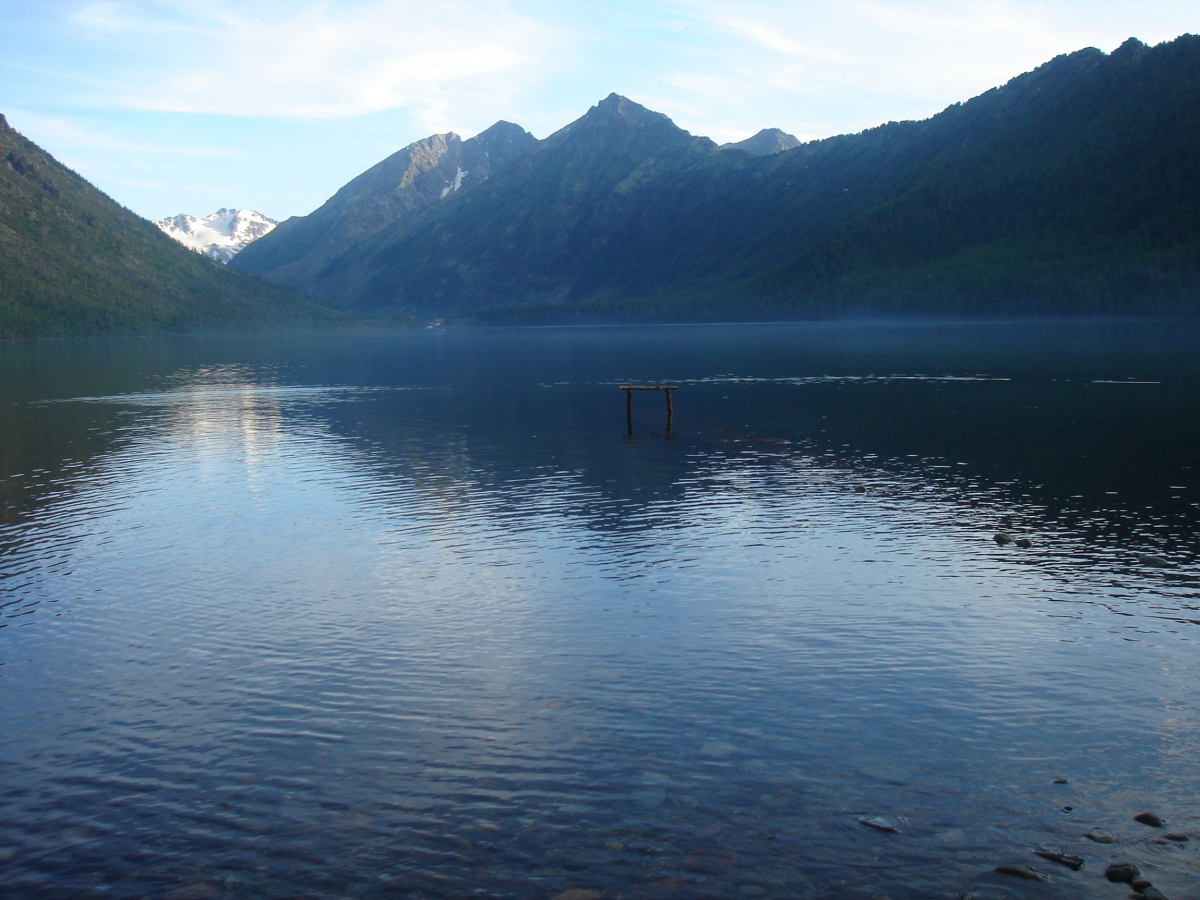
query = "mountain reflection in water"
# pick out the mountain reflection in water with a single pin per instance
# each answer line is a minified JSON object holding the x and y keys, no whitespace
{"x":407,"y":614}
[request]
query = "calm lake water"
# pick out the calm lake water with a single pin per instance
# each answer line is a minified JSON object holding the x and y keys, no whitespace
{"x":411,"y":615}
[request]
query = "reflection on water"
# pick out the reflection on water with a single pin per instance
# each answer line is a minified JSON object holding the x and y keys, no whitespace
{"x":408,"y":615}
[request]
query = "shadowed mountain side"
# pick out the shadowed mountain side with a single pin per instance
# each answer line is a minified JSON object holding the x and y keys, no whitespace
{"x":528,"y":231}
{"x":1073,"y":189}
{"x":394,"y":190}
{"x":74,"y":261}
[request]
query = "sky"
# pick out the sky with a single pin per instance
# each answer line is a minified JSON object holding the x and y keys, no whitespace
{"x":174,"y":106}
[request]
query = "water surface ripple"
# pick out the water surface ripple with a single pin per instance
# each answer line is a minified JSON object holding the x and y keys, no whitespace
{"x":412,"y":615}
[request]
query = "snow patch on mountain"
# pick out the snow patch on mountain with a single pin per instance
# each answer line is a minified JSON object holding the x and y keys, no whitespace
{"x":453,"y":186}
{"x":222,"y":235}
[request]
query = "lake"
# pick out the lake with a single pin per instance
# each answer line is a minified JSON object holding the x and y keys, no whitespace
{"x":412,"y":614}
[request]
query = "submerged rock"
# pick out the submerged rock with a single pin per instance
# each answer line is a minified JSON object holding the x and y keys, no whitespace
{"x":1024,"y":543}
{"x":192,"y":892}
{"x":710,"y":862}
{"x":1003,"y":539}
{"x":1061,"y":781}
{"x":1059,"y":855}
{"x":1152,"y":893}
{"x":1152,"y":561}
{"x":671,"y":887}
{"x":1178,"y":836}
{"x":1027,"y":872}
{"x":718,"y":749}
{"x":579,"y":894}
{"x":1149,"y":818}
{"x":883,"y":823}
{"x":649,"y":797}
{"x":1120,"y":872}
{"x":1102,"y":836}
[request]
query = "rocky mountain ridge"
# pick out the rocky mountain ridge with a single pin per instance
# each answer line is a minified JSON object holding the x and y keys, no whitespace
{"x":393,"y":190}
{"x":767,"y":142}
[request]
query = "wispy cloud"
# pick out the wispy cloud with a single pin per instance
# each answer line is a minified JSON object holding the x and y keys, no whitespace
{"x":62,"y":132}
{"x":282,"y":101}
{"x":310,"y":60}
{"x":838,"y":65}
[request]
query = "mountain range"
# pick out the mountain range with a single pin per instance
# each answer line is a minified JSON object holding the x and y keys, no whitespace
{"x":221,"y":235}
{"x":74,"y":261}
{"x":1072,"y":189}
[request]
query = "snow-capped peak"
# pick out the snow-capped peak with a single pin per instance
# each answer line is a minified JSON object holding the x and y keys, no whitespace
{"x":222,"y":235}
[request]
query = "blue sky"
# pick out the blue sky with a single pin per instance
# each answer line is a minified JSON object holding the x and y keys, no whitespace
{"x":189,"y":105}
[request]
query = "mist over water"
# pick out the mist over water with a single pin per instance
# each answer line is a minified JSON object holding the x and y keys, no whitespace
{"x":410,"y":614}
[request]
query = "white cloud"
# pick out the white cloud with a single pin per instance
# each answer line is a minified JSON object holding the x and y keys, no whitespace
{"x":824,"y":66}
{"x":310,"y":60}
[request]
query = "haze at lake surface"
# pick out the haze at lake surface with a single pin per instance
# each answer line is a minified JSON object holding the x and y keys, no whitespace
{"x":409,"y":614}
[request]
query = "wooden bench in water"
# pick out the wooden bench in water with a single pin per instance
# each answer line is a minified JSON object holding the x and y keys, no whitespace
{"x":630,"y":388}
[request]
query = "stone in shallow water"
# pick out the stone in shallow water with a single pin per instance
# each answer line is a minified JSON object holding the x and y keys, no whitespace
{"x":1059,"y":855}
{"x":650,"y":797}
{"x":1102,"y":836}
{"x":710,"y":862}
{"x":1061,"y":781}
{"x":1152,"y":893}
{"x":579,"y":894}
{"x":192,"y":892}
{"x":1176,"y":836}
{"x":1154,"y":562}
{"x":1024,"y":543}
{"x":1003,"y":538}
{"x":883,"y":823}
{"x":717,"y":749}
{"x":1122,"y":872}
{"x":671,"y":887}
{"x":1149,"y":818}
{"x":1027,"y":872}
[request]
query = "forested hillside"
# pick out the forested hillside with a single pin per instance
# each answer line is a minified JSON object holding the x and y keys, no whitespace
{"x":1073,"y":189}
{"x":74,"y":261}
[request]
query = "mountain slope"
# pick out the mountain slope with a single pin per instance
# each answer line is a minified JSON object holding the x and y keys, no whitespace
{"x":1074,"y":188}
{"x":766,"y":143}
{"x":74,"y":261}
{"x":221,"y":235}
{"x":393,"y":190}
{"x":537,"y":221}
